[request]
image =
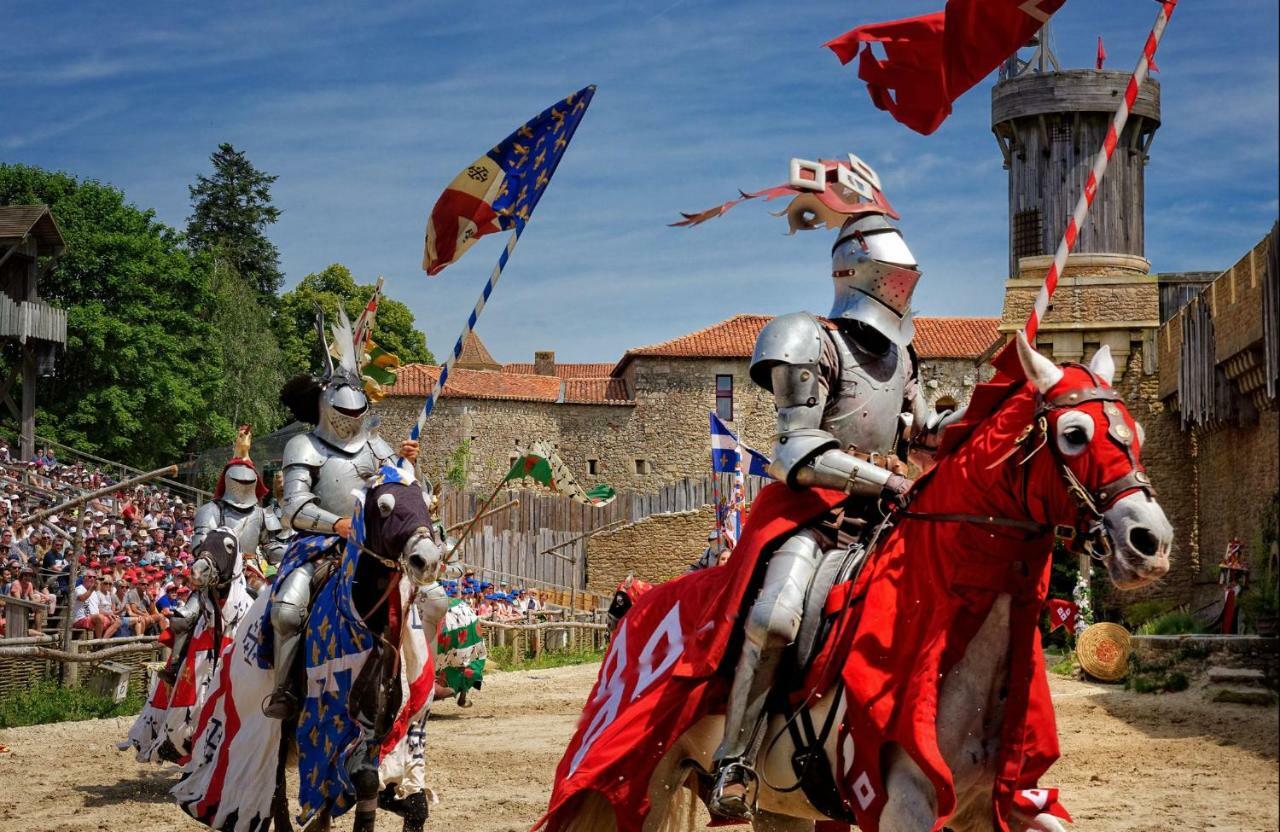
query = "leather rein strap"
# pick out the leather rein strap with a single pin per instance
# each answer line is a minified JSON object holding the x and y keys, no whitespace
{"x":1090,"y":537}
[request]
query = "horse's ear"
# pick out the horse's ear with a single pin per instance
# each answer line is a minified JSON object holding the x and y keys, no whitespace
{"x":386,"y":504}
{"x":1040,"y":371}
{"x":1103,"y":365}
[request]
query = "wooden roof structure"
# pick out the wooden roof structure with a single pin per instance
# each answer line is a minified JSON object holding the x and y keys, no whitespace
{"x":20,"y":223}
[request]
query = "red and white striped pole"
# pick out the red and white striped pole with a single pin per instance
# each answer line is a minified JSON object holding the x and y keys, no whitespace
{"x":1099,"y":168}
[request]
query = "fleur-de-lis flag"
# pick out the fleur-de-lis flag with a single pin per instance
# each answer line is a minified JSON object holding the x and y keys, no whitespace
{"x":500,"y":189}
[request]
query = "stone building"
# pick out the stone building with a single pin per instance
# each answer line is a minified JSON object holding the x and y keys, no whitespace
{"x":641,"y":421}
{"x":1219,"y":357}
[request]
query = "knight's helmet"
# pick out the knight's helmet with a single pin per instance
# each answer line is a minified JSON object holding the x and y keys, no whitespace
{"x":240,"y":484}
{"x":344,"y":407}
{"x":875,"y":274}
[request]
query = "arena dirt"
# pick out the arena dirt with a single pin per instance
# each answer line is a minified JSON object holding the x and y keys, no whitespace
{"x":1130,"y":763}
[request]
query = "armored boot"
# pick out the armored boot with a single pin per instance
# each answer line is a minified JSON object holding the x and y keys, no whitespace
{"x":288,"y":617}
{"x":182,"y":622}
{"x":772,"y":624}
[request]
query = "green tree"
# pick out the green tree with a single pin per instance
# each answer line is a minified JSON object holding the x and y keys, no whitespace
{"x":253,"y":365}
{"x":137,"y":373}
{"x":230,"y":212}
{"x":295,"y":319}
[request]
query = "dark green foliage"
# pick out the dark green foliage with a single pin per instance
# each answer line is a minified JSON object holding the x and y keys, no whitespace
{"x":230,"y":211}
{"x":138,"y":373}
{"x":295,"y":322}
{"x":459,"y":463}
{"x":1143,"y":611}
{"x":44,"y":702}
{"x":1175,"y":623}
{"x":251,"y":358}
{"x":1162,"y":675}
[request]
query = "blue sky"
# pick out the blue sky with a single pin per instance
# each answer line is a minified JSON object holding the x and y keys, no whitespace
{"x":366,"y":115}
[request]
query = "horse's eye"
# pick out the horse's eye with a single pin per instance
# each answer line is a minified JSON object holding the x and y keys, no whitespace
{"x":1075,"y":431}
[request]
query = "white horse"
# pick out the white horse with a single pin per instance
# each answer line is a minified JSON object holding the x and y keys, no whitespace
{"x":163,"y":730}
{"x":1084,"y":425}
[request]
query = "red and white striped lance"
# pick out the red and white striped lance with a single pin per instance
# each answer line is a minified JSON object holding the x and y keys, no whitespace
{"x":1099,"y":168}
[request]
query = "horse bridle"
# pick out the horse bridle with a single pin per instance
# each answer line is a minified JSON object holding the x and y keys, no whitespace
{"x":1089,"y":535}
{"x":395,"y":565}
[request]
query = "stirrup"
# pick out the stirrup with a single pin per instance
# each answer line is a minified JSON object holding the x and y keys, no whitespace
{"x":281,"y":704}
{"x":733,"y":795}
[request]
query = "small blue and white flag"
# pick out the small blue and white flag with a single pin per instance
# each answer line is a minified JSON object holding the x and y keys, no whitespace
{"x":726,"y":451}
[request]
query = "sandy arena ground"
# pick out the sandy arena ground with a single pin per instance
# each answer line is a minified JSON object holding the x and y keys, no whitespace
{"x":1153,"y":763}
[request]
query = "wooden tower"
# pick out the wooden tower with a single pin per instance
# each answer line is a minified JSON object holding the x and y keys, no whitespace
{"x":1049,"y":124}
{"x":30,"y":244}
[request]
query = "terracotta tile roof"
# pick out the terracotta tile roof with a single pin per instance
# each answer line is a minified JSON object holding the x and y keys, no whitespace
{"x":936,"y":337}
{"x":475,"y":356}
{"x":596,"y":391}
{"x":417,"y":380}
{"x":731,"y":338}
{"x":955,"y":337}
{"x":599,"y":370}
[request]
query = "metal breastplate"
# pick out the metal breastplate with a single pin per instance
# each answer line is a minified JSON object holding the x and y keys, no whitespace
{"x":862,"y":413}
{"x":342,"y":474}
{"x":244,"y":523}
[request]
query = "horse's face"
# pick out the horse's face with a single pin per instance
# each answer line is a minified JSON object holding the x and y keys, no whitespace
{"x":627,"y":593}
{"x":1097,"y":443}
{"x":216,"y":559}
{"x":399,"y":528}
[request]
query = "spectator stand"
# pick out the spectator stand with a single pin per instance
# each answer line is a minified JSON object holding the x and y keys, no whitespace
{"x":134,"y":652}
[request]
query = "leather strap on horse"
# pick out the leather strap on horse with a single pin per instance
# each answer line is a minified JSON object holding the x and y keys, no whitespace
{"x":809,"y":760}
{"x":1029,"y":526}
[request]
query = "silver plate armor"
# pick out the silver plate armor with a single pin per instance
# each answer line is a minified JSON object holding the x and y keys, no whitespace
{"x":320,"y":480}
{"x":257,"y":529}
{"x":836,"y":395}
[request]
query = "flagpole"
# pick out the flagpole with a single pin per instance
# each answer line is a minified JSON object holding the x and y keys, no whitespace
{"x":438,"y":388}
{"x":1076,"y":222}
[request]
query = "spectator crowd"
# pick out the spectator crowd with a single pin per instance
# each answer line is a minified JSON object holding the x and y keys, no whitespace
{"x":135,"y":562}
{"x":494,"y":603}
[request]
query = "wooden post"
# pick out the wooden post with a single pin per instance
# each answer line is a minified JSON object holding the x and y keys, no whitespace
{"x":28,"y":439}
{"x":71,"y":670}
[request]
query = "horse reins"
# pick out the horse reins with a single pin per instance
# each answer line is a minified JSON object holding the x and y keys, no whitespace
{"x":1089,"y":536}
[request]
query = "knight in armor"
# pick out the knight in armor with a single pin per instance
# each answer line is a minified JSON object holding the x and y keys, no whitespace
{"x":237,"y":507}
{"x":845,"y":388}
{"x":323,"y":470}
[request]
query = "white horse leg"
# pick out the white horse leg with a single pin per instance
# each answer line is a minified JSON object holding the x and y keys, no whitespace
{"x":911,"y":805}
{"x":971,"y":716}
{"x":1043,"y":822}
{"x":769,"y":822}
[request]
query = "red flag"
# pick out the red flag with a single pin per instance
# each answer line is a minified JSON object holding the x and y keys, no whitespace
{"x":933,"y":59}
{"x":1102,"y":54}
{"x":1061,"y":613}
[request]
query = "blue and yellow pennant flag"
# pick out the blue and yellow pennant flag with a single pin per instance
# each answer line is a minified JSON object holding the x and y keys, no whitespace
{"x":500,"y":189}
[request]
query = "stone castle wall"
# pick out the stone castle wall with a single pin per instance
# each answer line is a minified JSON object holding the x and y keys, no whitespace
{"x":1238,"y":473}
{"x":656,"y":549}
{"x":666,"y":429}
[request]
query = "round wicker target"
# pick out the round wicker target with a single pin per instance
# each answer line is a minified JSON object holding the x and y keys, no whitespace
{"x":1103,"y":651}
